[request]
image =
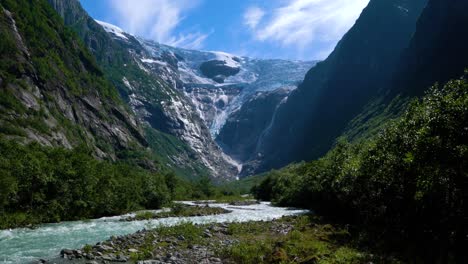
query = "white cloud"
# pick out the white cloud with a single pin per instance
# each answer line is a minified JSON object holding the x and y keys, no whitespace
{"x":189,"y":41}
{"x":301,"y":23}
{"x":253,"y":16}
{"x":156,"y":19}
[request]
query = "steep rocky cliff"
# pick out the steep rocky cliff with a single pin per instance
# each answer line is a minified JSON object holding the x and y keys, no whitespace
{"x":438,"y":50}
{"x":338,"y":89}
{"x":245,"y":127}
{"x":53,"y":92}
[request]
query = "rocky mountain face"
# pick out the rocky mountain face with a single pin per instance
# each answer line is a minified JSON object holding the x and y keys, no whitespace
{"x":52,"y":90}
{"x":174,"y":130}
{"x":183,"y":96}
{"x":244,"y":128}
{"x":219,"y":84}
{"x":437,"y":52}
{"x":338,"y":89}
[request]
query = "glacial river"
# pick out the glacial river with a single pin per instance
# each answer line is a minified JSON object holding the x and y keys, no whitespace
{"x":45,"y":242}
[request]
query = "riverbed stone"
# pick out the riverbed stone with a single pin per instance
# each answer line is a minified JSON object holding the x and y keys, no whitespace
{"x":207,"y":233}
{"x":67,"y":252}
{"x":103,"y":248}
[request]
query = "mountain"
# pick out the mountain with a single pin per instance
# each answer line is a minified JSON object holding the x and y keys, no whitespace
{"x":338,"y":89}
{"x":219,"y":83}
{"x":52,"y":90}
{"x":183,"y":96}
{"x":231,"y":85}
{"x":175,"y":132}
{"x":214,"y":86}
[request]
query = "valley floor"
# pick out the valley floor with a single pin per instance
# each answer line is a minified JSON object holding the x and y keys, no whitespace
{"x":294,"y":239}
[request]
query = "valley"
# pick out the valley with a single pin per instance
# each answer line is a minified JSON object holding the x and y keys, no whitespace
{"x":145,"y":146}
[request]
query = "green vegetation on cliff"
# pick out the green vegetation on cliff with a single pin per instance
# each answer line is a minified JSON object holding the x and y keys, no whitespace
{"x":51,"y":88}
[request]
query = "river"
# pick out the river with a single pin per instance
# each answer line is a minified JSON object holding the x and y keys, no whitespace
{"x":45,"y":242}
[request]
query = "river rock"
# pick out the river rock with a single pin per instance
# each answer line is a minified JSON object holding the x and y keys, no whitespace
{"x":207,"y":233}
{"x":215,"y":260}
{"x":103,"y":248}
{"x":67,"y":252}
{"x":244,"y":203}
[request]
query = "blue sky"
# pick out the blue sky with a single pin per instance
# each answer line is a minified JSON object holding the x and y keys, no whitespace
{"x":288,"y":29}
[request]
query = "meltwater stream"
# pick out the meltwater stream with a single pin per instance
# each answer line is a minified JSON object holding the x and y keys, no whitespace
{"x":45,"y":242}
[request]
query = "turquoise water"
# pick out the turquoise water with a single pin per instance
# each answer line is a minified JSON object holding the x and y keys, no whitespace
{"x":45,"y":242}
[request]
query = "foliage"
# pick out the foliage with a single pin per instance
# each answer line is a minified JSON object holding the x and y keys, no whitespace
{"x":48,"y":184}
{"x":166,"y":146}
{"x":241,"y":186}
{"x":179,"y":210}
{"x":309,"y":241}
{"x":189,"y":231}
{"x":408,"y":183}
{"x":145,"y":215}
{"x":44,"y":184}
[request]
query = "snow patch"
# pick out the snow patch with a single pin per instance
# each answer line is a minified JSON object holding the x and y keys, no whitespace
{"x":224,"y":98}
{"x":151,"y":61}
{"x":228,"y":59}
{"x":188,"y":75}
{"x":112,"y":29}
{"x":127,"y":83}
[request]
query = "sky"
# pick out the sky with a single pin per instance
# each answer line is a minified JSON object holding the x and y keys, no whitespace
{"x":286,"y":29}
